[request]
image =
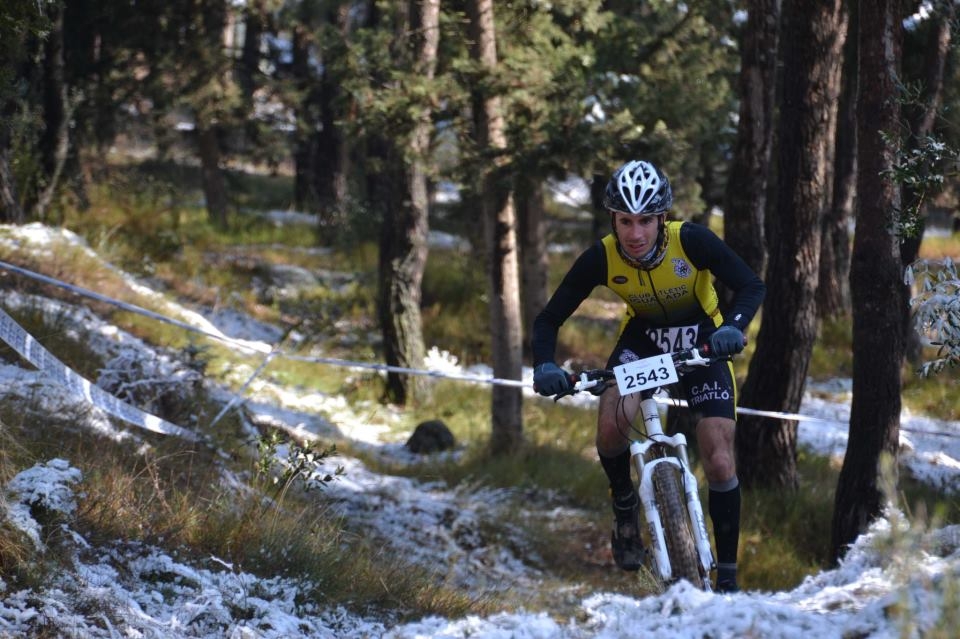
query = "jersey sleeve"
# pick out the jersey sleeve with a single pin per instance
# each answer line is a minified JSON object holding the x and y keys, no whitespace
{"x":588,"y":271}
{"x":707,"y":251}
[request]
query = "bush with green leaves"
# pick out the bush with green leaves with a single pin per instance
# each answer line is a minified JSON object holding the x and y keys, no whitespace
{"x":284,"y":462}
{"x":936,"y":309}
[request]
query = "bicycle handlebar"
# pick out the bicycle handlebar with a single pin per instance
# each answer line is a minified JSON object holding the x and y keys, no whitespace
{"x":598,"y":378}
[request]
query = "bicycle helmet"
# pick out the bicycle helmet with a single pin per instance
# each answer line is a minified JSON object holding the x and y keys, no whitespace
{"x":638,"y":188}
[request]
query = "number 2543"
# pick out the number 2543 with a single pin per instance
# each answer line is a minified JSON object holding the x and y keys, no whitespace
{"x":642,"y":379}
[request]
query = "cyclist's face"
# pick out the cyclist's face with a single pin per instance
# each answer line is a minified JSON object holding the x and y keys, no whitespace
{"x":637,"y":234}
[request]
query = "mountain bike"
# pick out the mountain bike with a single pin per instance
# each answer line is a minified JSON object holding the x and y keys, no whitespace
{"x":680,"y":546}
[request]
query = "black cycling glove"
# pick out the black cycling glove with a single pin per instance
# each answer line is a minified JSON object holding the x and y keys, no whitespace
{"x":549,"y":379}
{"x":727,"y":340}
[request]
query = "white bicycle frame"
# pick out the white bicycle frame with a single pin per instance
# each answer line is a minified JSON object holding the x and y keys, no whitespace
{"x":677,"y":457}
{"x":678,"y":444}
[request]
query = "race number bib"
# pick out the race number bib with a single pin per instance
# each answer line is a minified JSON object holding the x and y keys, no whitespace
{"x":651,"y":372}
{"x":673,"y":338}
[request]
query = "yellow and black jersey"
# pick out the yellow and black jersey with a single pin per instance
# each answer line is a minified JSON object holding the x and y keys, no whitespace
{"x":678,"y":292}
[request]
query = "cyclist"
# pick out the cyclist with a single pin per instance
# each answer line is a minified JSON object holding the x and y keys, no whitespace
{"x":663,"y":270}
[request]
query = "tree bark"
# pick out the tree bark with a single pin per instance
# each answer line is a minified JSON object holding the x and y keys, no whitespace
{"x":501,"y":236}
{"x":214,"y":187}
{"x":55,"y":139}
{"x":833,"y":291}
{"x":746,"y":191}
{"x":875,"y":276}
{"x":248,"y":65}
{"x":320,"y":155}
{"x":813,"y":35}
{"x":10,"y":210}
{"x":533,"y":242}
{"x":403,"y":238}
{"x":305,"y":194}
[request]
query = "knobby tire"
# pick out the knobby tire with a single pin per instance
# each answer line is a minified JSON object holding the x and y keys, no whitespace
{"x":677,"y":529}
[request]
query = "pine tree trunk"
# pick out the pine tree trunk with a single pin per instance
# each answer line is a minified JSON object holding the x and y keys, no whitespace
{"x":875,"y":277}
{"x":10,"y":210}
{"x":55,"y":140}
{"x":501,"y":235}
{"x":214,"y":188}
{"x":403,"y":238}
{"x":833,"y":290}
{"x":533,"y":252}
{"x":248,"y":66}
{"x":813,"y":36}
{"x":403,"y":255}
{"x":746,"y":193}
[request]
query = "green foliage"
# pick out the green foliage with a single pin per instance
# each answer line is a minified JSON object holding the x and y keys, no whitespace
{"x":663,"y":79}
{"x":936,"y":311}
{"x":922,"y":170}
{"x":299,"y":464}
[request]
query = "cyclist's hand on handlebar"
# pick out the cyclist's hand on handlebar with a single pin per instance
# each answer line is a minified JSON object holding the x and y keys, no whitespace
{"x":549,"y":379}
{"x":727,"y":340}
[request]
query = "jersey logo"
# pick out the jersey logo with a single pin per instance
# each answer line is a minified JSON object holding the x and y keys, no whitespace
{"x":620,"y":279}
{"x":680,"y":267}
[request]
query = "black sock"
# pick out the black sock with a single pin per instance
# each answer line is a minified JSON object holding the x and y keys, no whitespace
{"x":724,"y":508}
{"x":618,"y":473}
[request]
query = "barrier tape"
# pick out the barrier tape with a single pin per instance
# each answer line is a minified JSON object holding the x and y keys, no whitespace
{"x":24,"y":343}
{"x":244,"y":345}
{"x":119,"y":409}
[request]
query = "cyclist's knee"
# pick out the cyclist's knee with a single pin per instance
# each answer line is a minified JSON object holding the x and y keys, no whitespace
{"x":610,"y":441}
{"x":715,"y":439}
{"x":719,"y":467}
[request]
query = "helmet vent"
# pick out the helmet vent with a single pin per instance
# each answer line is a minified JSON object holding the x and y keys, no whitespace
{"x":638,"y":188}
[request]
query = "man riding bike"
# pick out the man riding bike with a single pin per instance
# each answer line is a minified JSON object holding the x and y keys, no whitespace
{"x":664,"y":273}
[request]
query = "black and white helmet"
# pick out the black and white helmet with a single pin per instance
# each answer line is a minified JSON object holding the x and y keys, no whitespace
{"x":638,"y":188}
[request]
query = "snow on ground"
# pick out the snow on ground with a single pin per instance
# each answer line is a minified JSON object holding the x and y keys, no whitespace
{"x":127,"y":589}
{"x":929,"y":448}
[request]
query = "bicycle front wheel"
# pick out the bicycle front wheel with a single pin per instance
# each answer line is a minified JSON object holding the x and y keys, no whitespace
{"x":677,"y":528}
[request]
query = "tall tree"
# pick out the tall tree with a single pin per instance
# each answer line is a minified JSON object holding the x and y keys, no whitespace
{"x":176,"y":56}
{"x":833,"y":290}
{"x":23,"y":21}
{"x":501,"y":237}
{"x":403,"y":236}
{"x":55,"y":139}
{"x":320,"y":30}
{"x":746,"y":192}
{"x":812,"y":40}
{"x":534,"y":258}
{"x":875,"y":278}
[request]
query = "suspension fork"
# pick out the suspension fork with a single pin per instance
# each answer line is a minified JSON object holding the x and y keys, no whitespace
{"x":658,"y":448}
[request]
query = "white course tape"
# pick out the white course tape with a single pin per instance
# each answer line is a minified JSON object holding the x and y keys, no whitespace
{"x":753,"y":411}
{"x":24,"y":343}
{"x":247,"y":346}
{"x":330,"y":361}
